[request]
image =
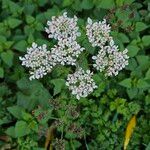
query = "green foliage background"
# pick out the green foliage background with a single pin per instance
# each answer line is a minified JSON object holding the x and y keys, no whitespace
{"x":29,"y":108}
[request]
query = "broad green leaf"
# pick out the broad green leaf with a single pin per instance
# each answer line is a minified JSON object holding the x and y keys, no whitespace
{"x":4,"y":90}
{"x":147,"y":100}
{"x":14,"y":8}
{"x":67,"y":3}
{"x":124,"y":38}
{"x":11,"y":131}
{"x":32,"y":93}
{"x":147,"y":76}
{"x":106,"y":4}
{"x":42,"y":2}
{"x":21,"y":46}
{"x":142,"y":84}
{"x":146,"y":40}
{"x":140,"y":26}
{"x":58,"y":85}
{"x":29,"y":8}
{"x":28,"y":102}
{"x":16,"y":111}
{"x":13,"y":22}
{"x":87,"y":4}
{"x":144,"y":61}
{"x":148,"y":146}
{"x":8,"y":44}
{"x":2,"y":39}
{"x":51,"y":12}
{"x":1,"y":72}
{"x":132,"y":93}
{"x":21,"y":129}
{"x":126,"y":83}
{"x":26,"y":116}
{"x":132,"y":50}
{"x":7,"y":57}
{"x":119,"y":2}
{"x":30,"y":19}
{"x":39,"y":26}
{"x":128,"y":1}
{"x":33,"y":126}
{"x":83,"y":62}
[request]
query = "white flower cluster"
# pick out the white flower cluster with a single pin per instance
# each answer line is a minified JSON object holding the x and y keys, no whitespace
{"x":65,"y":30}
{"x":39,"y":60}
{"x":81,"y":83}
{"x":63,"y":27}
{"x":110,"y":59}
{"x":98,"y":32}
{"x":66,"y":54}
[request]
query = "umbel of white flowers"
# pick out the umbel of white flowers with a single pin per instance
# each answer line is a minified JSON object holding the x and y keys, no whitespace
{"x":81,"y":83}
{"x":109,"y":59}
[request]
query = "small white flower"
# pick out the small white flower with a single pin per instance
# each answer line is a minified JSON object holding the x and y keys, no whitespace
{"x":89,"y":21}
{"x":98,"y":32}
{"x":66,"y":54}
{"x":63,"y":27}
{"x":81,"y":83}
{"x":110,"y":59}
{"x":39,"y":60}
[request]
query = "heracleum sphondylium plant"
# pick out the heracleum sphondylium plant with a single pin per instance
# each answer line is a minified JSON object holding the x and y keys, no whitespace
{"x":65,"y":30}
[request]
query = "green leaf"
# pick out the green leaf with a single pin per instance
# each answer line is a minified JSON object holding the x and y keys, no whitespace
{"x":146,"y":40}
{"x":30,"y":19}
{"x":140,"y":26}
{"x":42,"y":2}
{"x":26,"y":116}
{"x":83,"y":62}
{"x":51,"y":12}
{"x":119,"y":2}
{"x":147,"y":76}
{"x":148,"y":146}
{"x":142,"y":84}
{"x":106,"y":4}
{"x":67,"y":3}
{"x":21,"y":46}
{"x":143,"y":61}
{"x":8,"y":44}
{"x":11,"y":132}
{"x":32,"y":93}
{"x":126,"y":83}
{"x":58,"y":85}
{"x":132,"y":93}
{"x":14,"y":8}
{"x":87,"y":4}
{"x":124,"y":38}
{"x":2,"y":39}
{"x":15,"y":111}
{"x":132,"y":50}
{"x":7,"y":57}
{"x":21,"y":129}
{"x":1,"y":72}
{"x":29,"y":8}
{"x":13,"y":22}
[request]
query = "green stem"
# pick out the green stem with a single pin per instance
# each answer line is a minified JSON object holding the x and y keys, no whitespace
{"x":86,"y":143}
